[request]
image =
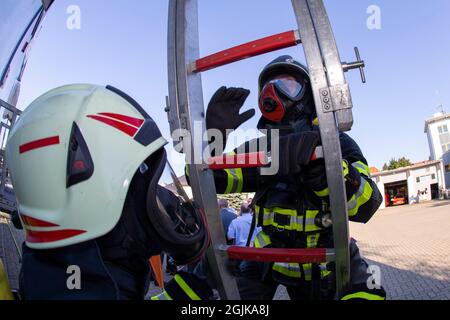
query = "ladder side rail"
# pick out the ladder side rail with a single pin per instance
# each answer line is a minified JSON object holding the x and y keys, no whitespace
{"x":330,"y":140}
{"x":342,"y":105}
{"x":191,"y":109}
{"x":340,"y":91}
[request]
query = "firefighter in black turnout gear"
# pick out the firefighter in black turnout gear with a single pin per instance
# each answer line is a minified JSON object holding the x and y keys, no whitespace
{"x":292,"y":207}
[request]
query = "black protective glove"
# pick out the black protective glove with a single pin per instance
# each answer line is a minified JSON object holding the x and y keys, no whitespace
{"x":223,"y":110}
{"x":296,"y":150}
{"x":314,"y":175}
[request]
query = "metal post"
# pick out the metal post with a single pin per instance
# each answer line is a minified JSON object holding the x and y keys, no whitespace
{"x":186,"y":111}
{"x":319,"y":47}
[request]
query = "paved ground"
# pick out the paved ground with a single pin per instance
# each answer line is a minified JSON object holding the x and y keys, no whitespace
{"x":8,"y":250}
{"x":410,"y":244}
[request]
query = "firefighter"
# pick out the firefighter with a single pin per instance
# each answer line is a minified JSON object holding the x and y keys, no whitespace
{"x":88,"y":167}
{"x":292,"y":207}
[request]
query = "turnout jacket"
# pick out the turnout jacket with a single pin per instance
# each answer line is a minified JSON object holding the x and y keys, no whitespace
{"x":288,"y":211}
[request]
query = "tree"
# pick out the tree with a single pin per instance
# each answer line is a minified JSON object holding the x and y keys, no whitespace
{"x":395,"y":164}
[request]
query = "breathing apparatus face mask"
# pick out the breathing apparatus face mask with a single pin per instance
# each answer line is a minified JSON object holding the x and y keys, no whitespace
{"x":279,"y":96}
{"x":179,"y":225}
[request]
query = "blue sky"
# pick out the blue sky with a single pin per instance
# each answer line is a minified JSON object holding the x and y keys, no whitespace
{"x":123,"y":43}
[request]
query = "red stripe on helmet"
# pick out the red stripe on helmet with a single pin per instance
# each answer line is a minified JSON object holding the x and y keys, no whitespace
{"x":33,"y":222}
{"x":136,"y":122}
{"x":51,"y":236}
{"x":125,"y":128}
{"x":36,"y":144}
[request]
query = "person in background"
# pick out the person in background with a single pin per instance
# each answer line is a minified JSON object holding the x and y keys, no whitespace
{"x":227,"y":215}
{"x":239,"y":229}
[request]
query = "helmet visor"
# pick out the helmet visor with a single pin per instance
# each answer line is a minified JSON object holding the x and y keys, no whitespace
{"x":289,"y":87}
{"x":174,"y":202}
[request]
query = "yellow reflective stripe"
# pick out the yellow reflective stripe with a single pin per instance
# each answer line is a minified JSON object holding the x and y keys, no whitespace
{"x":262,"y":240}
{"x":186,"y":288}
{"x":362,"y":168}
{"x":310,"y":221}
{"x":162,"y":296}
{"x":323,"y":193}
{"x":312,"y":240}
{"x":288,"y":269}
{"x":240,"y":181}
{"x":235,"y":180}
{"x":345,"y":167}
{"x":5,"y":289}
{"x":363,"y":195}
{"x":363,"y":295}
{"x":307,"y":267}
{"x":316,"y":122}
{"x":230,"y":181}
{"x":295,"y":222}
{"x":324,"y":272}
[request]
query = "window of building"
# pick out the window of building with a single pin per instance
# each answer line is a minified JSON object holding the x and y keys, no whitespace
{"x":444,"y":138}
{"x":418,"y":179}
{"x":433,"y":176}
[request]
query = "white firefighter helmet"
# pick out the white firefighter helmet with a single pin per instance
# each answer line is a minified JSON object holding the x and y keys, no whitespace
{"x":72,"y":156}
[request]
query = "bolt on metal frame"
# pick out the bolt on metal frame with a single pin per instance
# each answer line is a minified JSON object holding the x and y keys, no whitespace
{"x":185,"y":110}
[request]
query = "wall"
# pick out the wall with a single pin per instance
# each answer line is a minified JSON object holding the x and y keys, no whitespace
{"x":433,"y":139}
{"x":446,"y":173}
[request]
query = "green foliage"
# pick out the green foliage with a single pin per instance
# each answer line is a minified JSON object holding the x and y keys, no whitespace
{"x":395,"y":164}
{"x":235,"y":199}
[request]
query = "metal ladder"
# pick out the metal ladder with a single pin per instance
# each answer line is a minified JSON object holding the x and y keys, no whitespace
{"x":332,"y":98}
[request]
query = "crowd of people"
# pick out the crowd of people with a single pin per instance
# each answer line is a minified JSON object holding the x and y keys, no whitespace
{"x":237,"y":225}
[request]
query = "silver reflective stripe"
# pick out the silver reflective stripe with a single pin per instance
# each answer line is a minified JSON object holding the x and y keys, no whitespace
{"x":261,"y":240}
{"x":361,"y":166}
{"x":162,"y":296}
{"x":353,"y":201}
{"x":307,"y":269}
{"x":351,"y":205}
{"x":294,"y":267}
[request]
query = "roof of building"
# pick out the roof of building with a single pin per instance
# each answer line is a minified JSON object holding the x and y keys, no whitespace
{"x":414,"y":166}
{"x":374,"y":170}
{"x":438,"y":117}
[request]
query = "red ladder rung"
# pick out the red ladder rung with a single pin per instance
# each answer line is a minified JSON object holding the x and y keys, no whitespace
{"x":249,"y":160}
{"x":317,"y":255}
{"x":243,"y":160}
{"x":247,"y":50}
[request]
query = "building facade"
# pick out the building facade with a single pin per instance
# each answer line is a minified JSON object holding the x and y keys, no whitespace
{"x":437,"y":130}
{"x":420,"y":182}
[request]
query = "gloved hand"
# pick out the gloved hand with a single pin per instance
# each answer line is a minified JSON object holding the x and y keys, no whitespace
{"x":296,"y":150}
{"x":223,"y":110}
{"x":314,"y":175}
{"x":186,"y":286}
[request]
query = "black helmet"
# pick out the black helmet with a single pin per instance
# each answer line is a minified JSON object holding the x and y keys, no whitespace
{"x":284,"y":64}
{"x":284,"y":89}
